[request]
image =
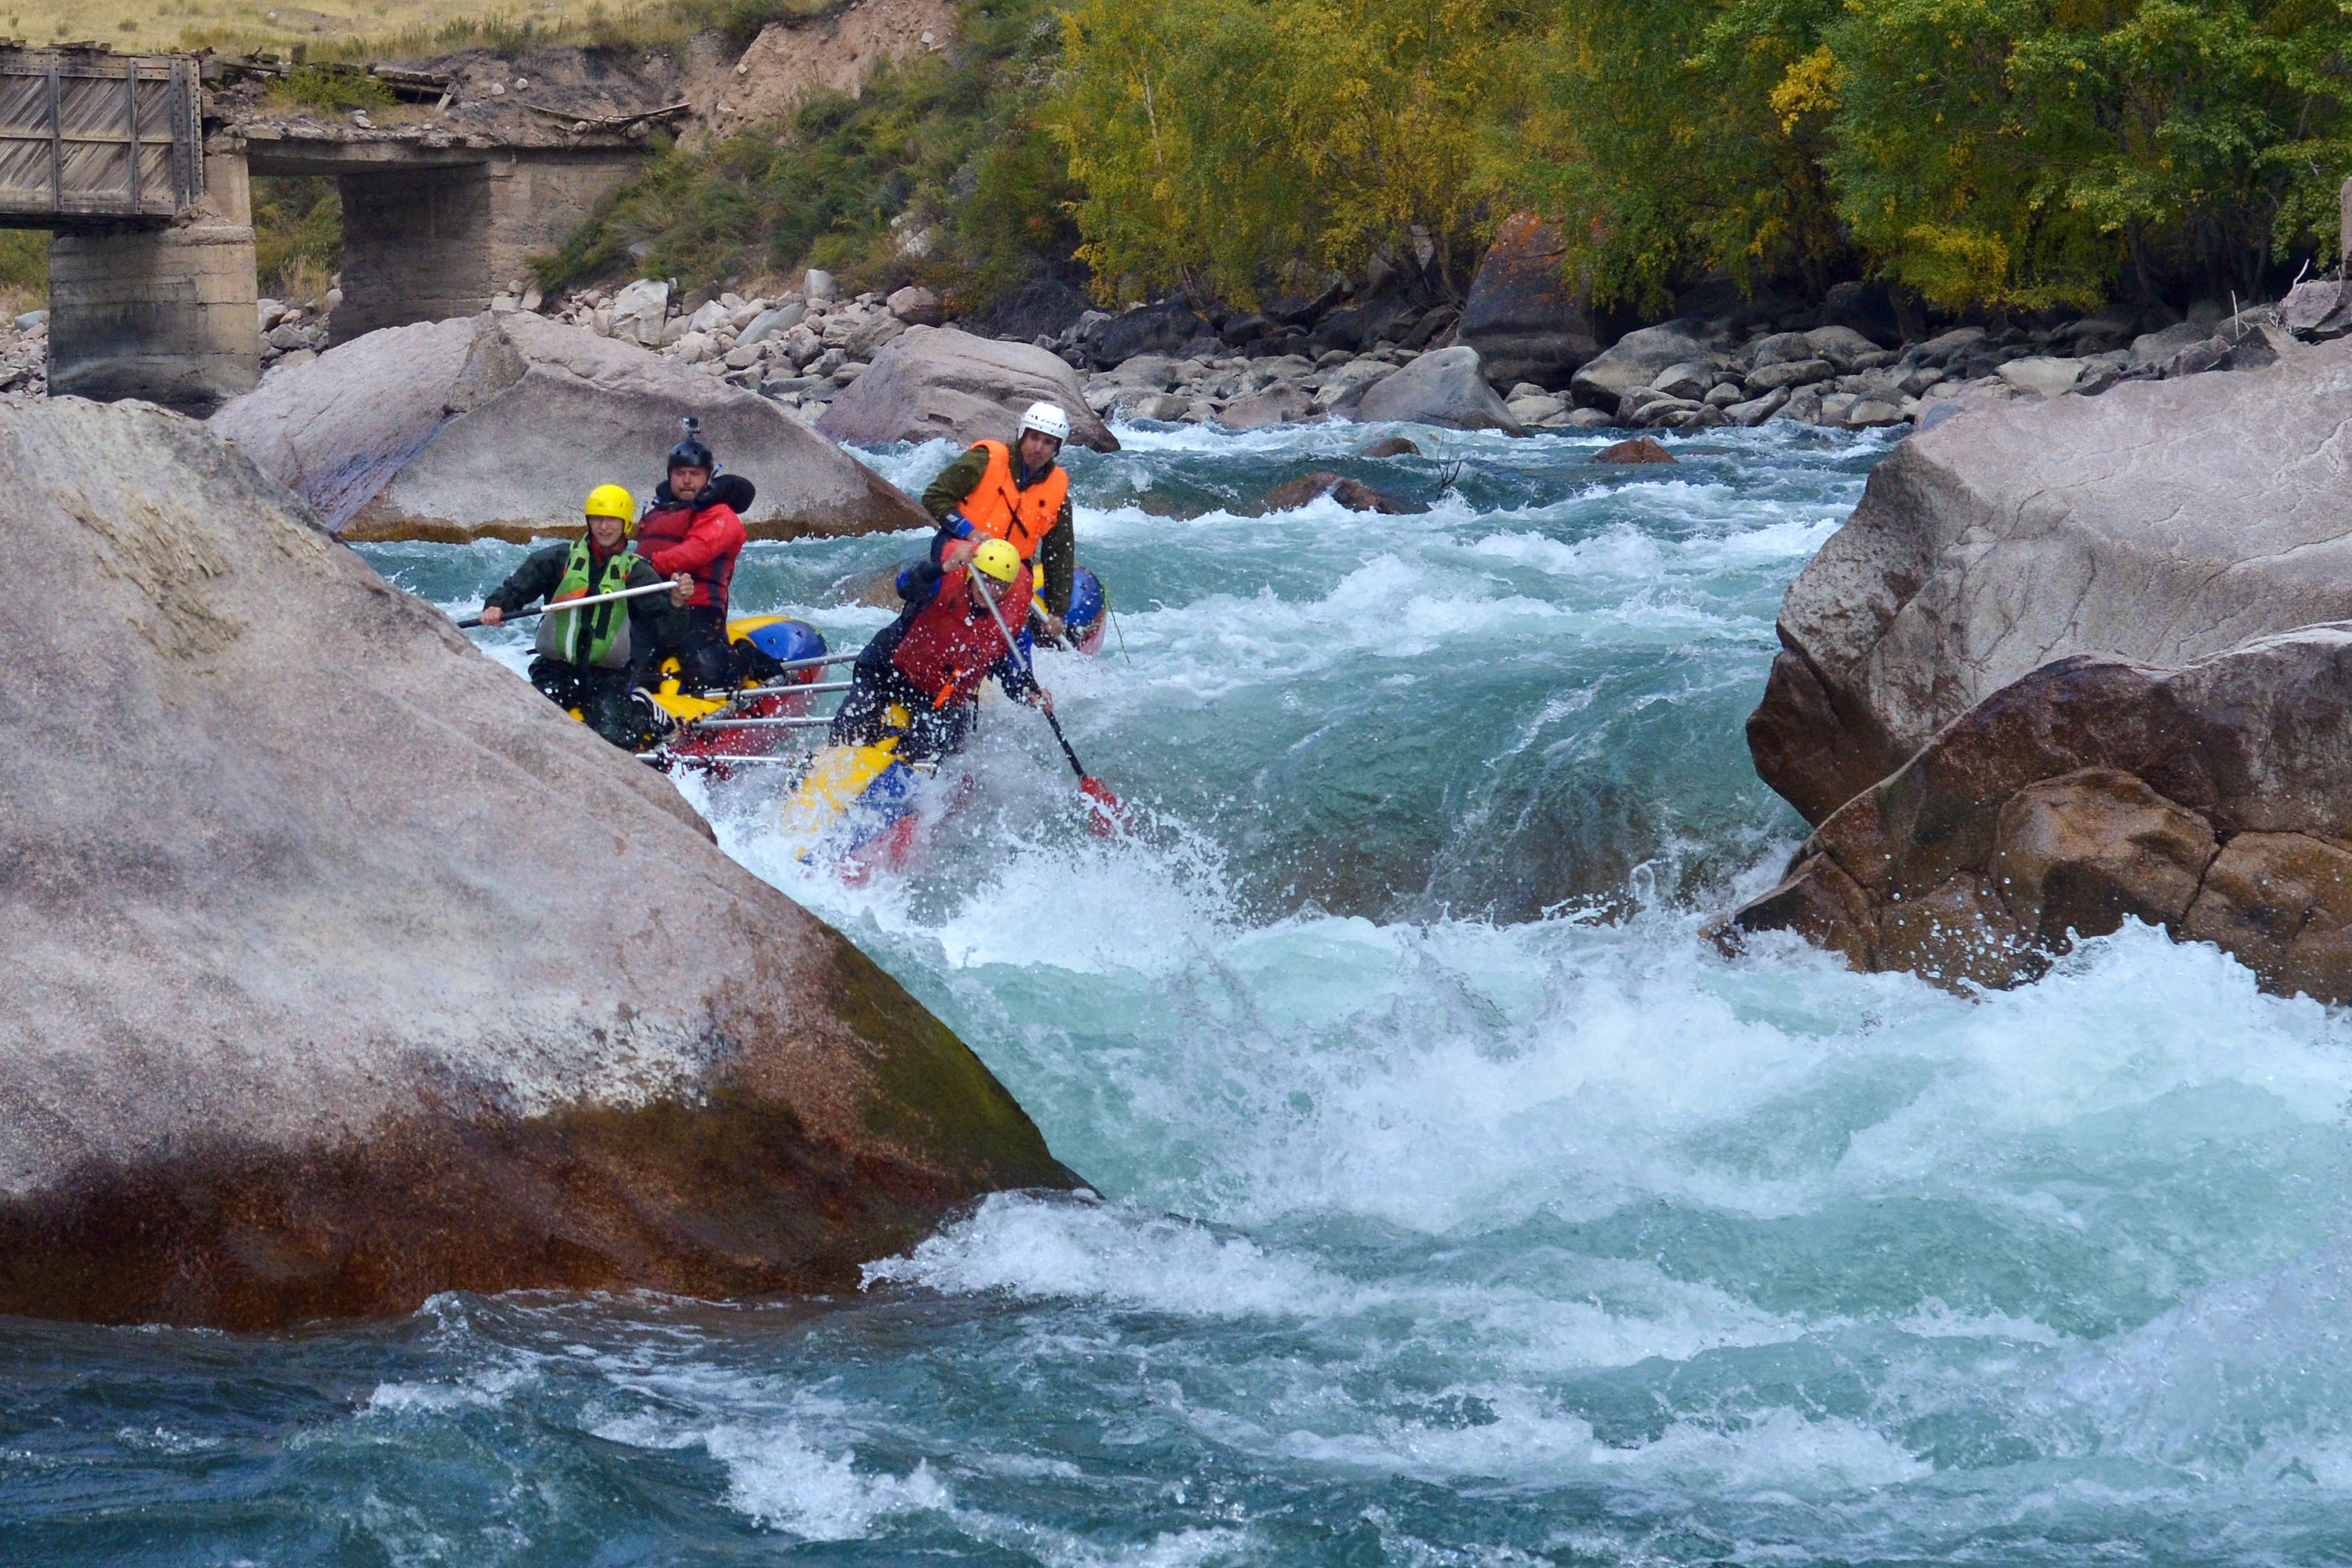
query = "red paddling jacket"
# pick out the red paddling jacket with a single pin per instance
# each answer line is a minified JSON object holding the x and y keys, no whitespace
{"x":943,"y":646}
{"x":702,"y":539}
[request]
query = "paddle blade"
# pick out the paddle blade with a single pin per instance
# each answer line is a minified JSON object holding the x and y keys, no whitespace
{"x":1108,"y":813}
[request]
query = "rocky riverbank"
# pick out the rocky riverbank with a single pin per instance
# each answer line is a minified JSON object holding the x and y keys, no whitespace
{"x":1849,"y":360}
{"x":803,"y":351}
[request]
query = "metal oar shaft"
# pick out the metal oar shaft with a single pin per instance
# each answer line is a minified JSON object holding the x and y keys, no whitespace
{"x":699,"y":759}
{"x":576,"y":604}
{"x":796,"y":724}
{"x":780,"y":691}
{"x":799,"y":664}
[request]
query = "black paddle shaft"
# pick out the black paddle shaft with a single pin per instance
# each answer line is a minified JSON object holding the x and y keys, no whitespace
{"x":1076,"y":767}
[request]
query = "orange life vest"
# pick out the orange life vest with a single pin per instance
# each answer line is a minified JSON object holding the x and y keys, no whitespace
{"x":1002,"y":510}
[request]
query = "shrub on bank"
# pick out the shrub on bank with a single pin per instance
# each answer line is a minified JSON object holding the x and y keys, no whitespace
{"x":934,"y":173}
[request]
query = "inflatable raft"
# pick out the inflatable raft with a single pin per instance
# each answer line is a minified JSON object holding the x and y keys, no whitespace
{"x":771,"y":651}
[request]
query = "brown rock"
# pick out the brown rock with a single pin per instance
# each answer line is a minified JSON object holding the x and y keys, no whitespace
{"x":345,"y":969}
{"x":2080,"y":854}
{"x":1284,"y":403}
{"x":1390,"y":447}
{"x":2281,"y":904}
{"x":2095,"y":789}
{"x":1820,"y":903}
{"x":1523,"y":317}
{"x":1353,"y":494}
{"x":1640,"y":449}
{"x":1814,"y":754}
{"x":1957,"y":933}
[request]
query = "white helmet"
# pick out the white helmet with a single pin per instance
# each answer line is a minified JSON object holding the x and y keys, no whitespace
{"x":1047,"y":418}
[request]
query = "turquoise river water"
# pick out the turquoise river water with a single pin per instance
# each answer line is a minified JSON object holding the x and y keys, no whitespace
{"x":1459,"y":1204}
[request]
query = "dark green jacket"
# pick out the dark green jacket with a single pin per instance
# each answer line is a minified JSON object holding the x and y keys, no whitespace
{"x":1058,"y":552}
{"x":652,"y":622}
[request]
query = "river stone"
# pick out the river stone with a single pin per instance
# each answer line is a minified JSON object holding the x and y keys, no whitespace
{"x":1781,"y":348}
{"x":1841,"y":347}
{"x":497,"y":427}
{"x":345,"y":969}
{"x":2096,"y":789}
{"x":1691,"y":381}
{"x":1755,"y":410}
{"x":1443,"y":387}
{"x":1788,"y":373}
{"x":915,"y":305}
{"x":1342,"y":389}
{"x":1152,"y":372}
{"x":640,"y":312}
{"x":1635,"y":358}
{"x":1640,"y":449}
{"x":1523,"y":317}
{"x":2161,"y":521}
{"x":2155,"y":348}
{"x":768,"y":323}
{"x":1353,"y":494}
{"x":1284,"y":403}
{"x":2043,"y":375}
{"x":1169,"y":326}
{"x":944,"y":384}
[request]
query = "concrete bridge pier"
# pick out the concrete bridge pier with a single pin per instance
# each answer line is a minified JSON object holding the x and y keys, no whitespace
{"x":164,"y":314}
{"x":425,"y":242}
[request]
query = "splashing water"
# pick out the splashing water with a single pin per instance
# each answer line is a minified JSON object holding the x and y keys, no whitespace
{"x":1460,"y":1204}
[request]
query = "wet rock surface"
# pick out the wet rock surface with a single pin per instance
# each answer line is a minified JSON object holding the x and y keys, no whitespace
{"x":1353,"y":494}
{"x":2213,"y":799}
{"x":2160,"y":521}
{"x":496,"y":427}
{"x":346,"y":970}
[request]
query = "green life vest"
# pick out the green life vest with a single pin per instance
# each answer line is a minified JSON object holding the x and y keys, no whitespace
{"x":599,"y":635}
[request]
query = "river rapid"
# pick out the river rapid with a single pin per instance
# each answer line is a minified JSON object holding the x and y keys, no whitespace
{"x":1458,"y":1204}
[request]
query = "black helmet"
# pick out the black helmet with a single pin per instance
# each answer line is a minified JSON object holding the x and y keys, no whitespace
{"x":692,"y":454}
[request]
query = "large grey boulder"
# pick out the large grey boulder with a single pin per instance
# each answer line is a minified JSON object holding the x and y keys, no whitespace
{"x":937,"y":384}
{"x":345,"y":969}
{"x":2160,"y":521}
{"x":2212,"y":799}
{"x":1443,"y":387}
{"x":1523,"y":317}
{"x":1635,"y":359}
{"x":497,"y":426}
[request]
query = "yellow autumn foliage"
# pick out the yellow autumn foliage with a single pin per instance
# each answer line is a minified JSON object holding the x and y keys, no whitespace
{"x":1245,"y":148}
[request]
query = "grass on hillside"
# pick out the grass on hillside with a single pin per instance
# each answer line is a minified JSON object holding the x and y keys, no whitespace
{"x":347,"y":30}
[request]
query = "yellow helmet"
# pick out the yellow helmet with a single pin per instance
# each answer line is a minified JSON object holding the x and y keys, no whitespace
{"x":996,"y":559}
{"x":612,"y":501}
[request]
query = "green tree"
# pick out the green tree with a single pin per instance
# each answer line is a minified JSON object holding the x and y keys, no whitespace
{"x":1238,"y":146}
{"x":1660,"y":143}
{"x":2031,"y":152}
